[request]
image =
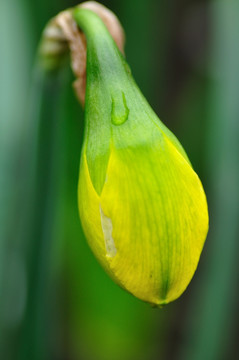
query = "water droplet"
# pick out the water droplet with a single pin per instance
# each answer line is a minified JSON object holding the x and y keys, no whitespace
{"x":119,"y":109}
{"x":107,"y":229}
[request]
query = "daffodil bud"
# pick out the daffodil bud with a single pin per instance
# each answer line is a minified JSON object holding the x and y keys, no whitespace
{"x":142,"y":206}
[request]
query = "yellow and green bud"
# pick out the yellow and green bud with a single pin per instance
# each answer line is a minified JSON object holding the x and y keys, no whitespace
{"x":142,"y":206}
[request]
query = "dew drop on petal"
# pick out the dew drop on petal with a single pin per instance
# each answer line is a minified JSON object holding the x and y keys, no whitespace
{"x":119,"y":109}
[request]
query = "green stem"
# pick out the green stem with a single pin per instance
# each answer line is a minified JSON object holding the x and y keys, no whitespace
{"x":212,"y":315}
{"x":41,"y":216}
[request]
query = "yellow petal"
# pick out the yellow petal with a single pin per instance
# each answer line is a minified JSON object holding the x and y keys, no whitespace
{"x":148,"y":226}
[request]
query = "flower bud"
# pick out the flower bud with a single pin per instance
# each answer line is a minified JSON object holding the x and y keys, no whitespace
{"x":142,"y":206}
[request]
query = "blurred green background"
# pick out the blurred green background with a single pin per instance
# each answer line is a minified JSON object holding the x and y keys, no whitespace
{"x":56,"y":302}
